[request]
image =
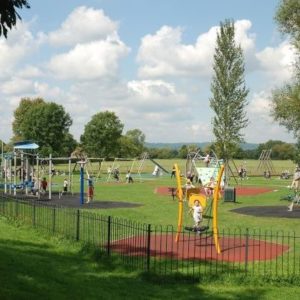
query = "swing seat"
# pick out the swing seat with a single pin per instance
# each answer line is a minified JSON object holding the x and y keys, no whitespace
{"x":202,"y":199}
{"x":196,"y":229}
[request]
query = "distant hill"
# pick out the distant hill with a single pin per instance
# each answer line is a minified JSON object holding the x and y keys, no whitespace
{"x":245,"y":146}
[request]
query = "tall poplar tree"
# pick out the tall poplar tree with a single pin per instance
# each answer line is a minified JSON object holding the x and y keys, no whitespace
{"x":229,"y":93}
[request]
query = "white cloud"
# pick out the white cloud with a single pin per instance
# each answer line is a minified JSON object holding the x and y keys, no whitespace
{"x":277,"y":62}
{"x":17,"y":86}
{"x":260,"y":106}
{"x":17,"y":46}
{"x":89,"y":61}
{"x":83,"y":25}
{"x":30,"y":71}
{"x":164,"y":53}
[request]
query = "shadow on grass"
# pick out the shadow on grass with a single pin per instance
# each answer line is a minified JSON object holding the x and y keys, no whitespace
{"x":32,"y":271}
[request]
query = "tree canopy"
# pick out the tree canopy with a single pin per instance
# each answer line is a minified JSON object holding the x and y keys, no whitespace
{"x":101,"y":135}
{"x":9,"y":14}
{"x":286,"y":100}
{"x":46,"y":123}
{"x":229,"y":92}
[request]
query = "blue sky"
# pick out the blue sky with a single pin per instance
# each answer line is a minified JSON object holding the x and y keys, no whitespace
{"x":149,"y":61}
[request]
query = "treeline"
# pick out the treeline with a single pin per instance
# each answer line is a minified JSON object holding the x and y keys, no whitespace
{"x":48,"y":124}
{"x":280,"y":151}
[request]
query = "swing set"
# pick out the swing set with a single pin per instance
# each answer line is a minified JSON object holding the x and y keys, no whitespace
{"x":209,"y":204}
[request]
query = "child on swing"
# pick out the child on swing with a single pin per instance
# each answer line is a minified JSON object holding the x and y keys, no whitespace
{"x":197,"y":211}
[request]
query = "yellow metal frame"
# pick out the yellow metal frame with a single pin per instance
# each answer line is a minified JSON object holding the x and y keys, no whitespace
{"x":216,"y":197}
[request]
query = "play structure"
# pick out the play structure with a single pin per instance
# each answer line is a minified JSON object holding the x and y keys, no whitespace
{"x":265,"y":165}
{"x":93,"y":166}
{"x":25,"y":171}
{"x":208,"y":203}
{"x":294,"y":197}
{"x":158,"y":170}
{"x":202,"y":167}
{"x":119,"y":168}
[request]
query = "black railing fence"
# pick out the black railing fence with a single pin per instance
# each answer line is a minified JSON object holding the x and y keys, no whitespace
{"x":153,"y":248}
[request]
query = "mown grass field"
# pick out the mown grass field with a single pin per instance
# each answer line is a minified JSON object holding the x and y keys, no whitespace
{"x":34,"y":266}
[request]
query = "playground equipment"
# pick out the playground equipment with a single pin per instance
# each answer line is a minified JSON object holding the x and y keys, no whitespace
{"x":203,"y":202}
{"x":207,"y":166}
{"x":158,"y":168}
{"x":265,"y":164}
{"x":194,"y":166}
{"x":120,"y":166}
{"x":93,"y":166}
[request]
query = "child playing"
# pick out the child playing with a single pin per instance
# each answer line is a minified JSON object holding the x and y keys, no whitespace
{"x":44,"y":185}
{"x":65,"y":185}
{"x":129,"y":178}
{"x":197,"y":213}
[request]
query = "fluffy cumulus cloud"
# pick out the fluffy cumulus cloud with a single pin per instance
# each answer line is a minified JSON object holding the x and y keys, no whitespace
{"x":83,"y":25}
{"x":96,"y":46}
{"x":89,"y":61}
{"x":19,"y":44}
{"x":155,"y":95}
{"x":260,"y":106}
{"x":165,"y":54}
{"x":277,"y":62}
{"x":16,"y":85}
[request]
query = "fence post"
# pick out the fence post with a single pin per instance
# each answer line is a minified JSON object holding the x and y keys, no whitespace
{"x":108,"y":235}
{"x":16,"y":209}
{"x":33,"y":214}
{"x":246,"y":250}
{"x":53,"y":219}
{"x":77,"y":225}
{"x":148,"y":246}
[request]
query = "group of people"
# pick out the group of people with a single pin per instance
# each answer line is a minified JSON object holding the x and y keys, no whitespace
{"x":41,"y":186}
{"x":116,"y":174}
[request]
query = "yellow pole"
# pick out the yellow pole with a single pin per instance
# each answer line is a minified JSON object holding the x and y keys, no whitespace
{"x":216,"y":197}
{"x":180,"y":202}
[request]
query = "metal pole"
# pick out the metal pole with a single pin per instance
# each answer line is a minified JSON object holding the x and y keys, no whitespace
{"x":15,"y":172}
{"x":70,"y":184}
{"x":5,"y":176}
{"x":81,"y":184}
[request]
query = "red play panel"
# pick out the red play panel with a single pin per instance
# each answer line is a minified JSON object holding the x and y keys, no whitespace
{"x":200,"y":248}
{"x":240,"y":190}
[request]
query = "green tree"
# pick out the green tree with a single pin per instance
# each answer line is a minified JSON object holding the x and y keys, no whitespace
{"x":101,"y":135}
{"x":132,"y":143}
{"x":46,"y":123}
{"x":9,"y":15}
{"x":229,"y":92}
{"x":20,"y":115}
{"x":288,"y":19}
{"x":286,"y":100}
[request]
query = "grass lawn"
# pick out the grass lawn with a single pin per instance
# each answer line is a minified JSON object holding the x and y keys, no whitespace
{"x":34,"y":266}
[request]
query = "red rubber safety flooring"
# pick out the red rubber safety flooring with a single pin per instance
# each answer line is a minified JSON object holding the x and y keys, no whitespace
{"x":200,"y":248}
{"x":240,"y":190}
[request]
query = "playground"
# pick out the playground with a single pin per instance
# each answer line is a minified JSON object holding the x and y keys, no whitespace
{"x":154,"y":197}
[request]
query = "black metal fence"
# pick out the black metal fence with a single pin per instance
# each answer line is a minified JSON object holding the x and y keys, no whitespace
{"x":153,"y":248}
